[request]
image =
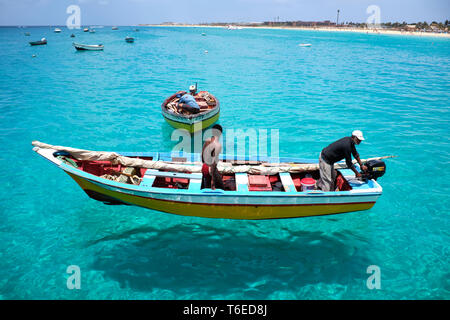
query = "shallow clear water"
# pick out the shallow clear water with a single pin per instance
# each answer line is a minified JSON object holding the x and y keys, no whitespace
{"x":395,"y":89}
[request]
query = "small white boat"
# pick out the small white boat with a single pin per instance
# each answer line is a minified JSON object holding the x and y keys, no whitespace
{"x":57,"y":30}
{"x":114,"y":28}
{"x":91,"y":31}
{"x":88,"y":47}
{"x":85,"y":29}
{"x":305,"y":45}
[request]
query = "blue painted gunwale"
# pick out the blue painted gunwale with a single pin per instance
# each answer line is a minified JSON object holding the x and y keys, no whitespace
{"x":146,"y":191}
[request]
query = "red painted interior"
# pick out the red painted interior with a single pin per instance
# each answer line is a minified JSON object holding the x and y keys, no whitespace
{"x":171,"y":183}
{"x":99,"y":168}
{"x":255,"y":182}
{"x":259,"y":183}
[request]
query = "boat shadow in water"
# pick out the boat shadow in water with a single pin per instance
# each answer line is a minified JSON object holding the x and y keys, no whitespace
{"x":203,"y":262}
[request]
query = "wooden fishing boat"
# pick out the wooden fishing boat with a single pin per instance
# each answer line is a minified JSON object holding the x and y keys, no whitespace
{"x":88,"y":47}
{"x":38,"y":43}
{"x":172,"y":183}
{"x":182,"y":119}
{"x":129,"y":39}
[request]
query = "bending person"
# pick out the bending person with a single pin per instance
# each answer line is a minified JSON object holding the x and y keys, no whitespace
{"x":341,"y":149}
{"x":187,"y":102}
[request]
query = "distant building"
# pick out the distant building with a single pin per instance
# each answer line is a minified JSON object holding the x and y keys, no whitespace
{"x":300,"y":23}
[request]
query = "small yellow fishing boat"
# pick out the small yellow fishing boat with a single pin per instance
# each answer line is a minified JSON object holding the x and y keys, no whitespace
{"x":181,"y":118}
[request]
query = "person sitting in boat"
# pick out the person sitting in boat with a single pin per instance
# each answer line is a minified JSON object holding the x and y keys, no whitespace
{"x":211,"y":177}
{"x":341,"y":149}
{"x":187,"y":102}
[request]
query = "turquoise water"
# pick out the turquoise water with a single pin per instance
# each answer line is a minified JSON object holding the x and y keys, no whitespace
{"x":395,"y":89}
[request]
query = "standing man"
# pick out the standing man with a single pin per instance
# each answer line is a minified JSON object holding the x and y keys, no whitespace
{"x":342,"y":149}
{"x":211,"y":177}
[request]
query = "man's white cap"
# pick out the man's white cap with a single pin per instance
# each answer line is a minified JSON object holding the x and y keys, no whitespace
{"x":358,"y":134}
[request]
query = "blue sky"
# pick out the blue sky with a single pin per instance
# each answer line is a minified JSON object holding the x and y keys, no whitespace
{"x":131,"y":12}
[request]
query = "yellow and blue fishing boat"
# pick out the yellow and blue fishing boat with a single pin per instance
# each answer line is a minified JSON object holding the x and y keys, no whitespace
{"x":192,"y":122}
{"x":254,"y":188}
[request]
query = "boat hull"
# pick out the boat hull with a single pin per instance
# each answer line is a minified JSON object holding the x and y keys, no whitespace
{"x":212,"y":209}
{"x":84,"y":47}
{"x":38,"y":43}
{"x":88,"y":49}
{"x":241,"y":202}
{"x":191,"y":126}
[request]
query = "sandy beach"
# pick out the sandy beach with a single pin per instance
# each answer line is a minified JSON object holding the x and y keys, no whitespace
{"x":329,"y":29}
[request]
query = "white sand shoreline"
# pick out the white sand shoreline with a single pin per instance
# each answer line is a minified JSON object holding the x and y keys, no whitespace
{"x":329,"y":29}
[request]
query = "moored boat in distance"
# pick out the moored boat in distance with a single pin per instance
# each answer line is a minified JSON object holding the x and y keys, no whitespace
{"x":86,"y":30}
{"x":129,"y":39}
{"x":57,"y":30}
{"x":72,"y":35}
{"x":38,"y":43}
{"x":209,"y":110}
{"x":88,"y":47}
{"x":305,"y":45}
{"x":114,"y":28}
{"x":172,"y":183}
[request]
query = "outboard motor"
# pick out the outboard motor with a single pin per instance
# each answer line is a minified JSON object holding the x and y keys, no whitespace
{"x":375,"y":169}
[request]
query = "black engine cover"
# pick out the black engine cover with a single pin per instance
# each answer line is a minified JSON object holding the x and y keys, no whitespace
{"x":375,"y":169}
